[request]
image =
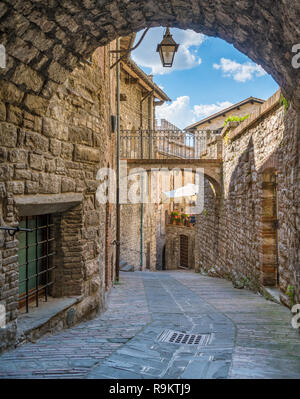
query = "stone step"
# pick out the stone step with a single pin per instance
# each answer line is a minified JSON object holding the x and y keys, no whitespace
{"x":123,"y":263}
{"x":272,"y":294}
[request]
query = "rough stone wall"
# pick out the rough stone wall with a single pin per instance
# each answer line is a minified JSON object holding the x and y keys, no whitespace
{"x":230,"y":240}
{"x":207,"y":233}
{"x":289,"y":211}
{"x":57,"y":150}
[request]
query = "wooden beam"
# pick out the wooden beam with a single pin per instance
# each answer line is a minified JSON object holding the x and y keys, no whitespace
{"x":140,"y":81}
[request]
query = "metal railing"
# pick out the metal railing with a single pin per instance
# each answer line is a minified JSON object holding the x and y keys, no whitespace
{"x":164,"y":144}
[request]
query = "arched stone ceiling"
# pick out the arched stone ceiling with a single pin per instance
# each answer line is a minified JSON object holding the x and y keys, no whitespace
{"x":52,"y":36}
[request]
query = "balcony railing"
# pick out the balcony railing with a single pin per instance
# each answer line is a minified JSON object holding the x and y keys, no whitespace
{"x":165,"y":144}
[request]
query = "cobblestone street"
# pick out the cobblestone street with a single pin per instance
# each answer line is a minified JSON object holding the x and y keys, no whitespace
{"x":249,"y":337}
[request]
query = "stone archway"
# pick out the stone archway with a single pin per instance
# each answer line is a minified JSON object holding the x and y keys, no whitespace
{"x":44,"y":42}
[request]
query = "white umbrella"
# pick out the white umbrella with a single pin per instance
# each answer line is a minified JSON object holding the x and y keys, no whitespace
{"x":186,"y":191}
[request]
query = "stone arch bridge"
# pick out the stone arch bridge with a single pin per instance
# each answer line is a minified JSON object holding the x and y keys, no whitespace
{"x":212,"y":168}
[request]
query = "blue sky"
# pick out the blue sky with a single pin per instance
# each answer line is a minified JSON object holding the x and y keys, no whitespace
{"x":208,"y":74}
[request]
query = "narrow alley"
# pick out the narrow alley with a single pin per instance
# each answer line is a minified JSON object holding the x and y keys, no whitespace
{"x":149,"y":192}
{"x":242,"y":335}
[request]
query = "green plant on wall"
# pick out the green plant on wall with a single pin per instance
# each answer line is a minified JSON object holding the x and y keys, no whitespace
{"x":235,"y":119}
{"x":284,"y":102}
{"x":290,"y":292}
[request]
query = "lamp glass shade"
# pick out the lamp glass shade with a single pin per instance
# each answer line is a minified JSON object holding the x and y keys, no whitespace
{"x":167,"y":49}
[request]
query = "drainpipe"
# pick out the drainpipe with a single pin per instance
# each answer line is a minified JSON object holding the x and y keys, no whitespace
{"x":142,"y":182}
{"x":118,"y":170}
{"x":141,"y":120}
{"x":141,"y":226}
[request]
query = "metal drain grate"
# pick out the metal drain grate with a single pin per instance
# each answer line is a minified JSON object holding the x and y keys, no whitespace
{"x":175,"y":337}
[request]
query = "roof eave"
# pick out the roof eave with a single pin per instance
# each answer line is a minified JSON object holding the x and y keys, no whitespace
{"x":217,"y":114}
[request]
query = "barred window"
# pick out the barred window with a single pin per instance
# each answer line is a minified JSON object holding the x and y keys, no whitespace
{"x":35,"y":259}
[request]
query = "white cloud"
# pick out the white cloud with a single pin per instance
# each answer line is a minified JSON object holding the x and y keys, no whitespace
{"x":186,"y":57}
{"x":239,"y":72}
{"x":178,"y":112}
{"x":189,"y":37}
{"x":204,"y":110}
{"x":181,"y":114}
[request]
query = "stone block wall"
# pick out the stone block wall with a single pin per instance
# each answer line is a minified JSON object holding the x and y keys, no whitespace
{"x":56,"y":147}
{"x":289,"y":211}
{"x":207,"y":233}
{"x":231,"y":239}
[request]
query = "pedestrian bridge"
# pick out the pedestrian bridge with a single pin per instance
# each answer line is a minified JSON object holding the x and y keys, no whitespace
{"x":173,"y":149}
{"x":170,"y":144}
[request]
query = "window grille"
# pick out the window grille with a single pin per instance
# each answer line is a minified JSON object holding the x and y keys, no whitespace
{"x":35,"y":259}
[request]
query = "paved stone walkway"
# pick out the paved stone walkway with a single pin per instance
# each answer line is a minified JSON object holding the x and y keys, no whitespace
{"x":73,"y":352}
{"x":249,"y":337}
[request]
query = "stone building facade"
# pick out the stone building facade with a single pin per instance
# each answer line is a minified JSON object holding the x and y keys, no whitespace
{"x":50,"y":154}
{"x":140,"y":223}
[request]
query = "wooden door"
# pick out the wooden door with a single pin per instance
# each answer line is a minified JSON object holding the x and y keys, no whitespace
{"x":184,"y":251}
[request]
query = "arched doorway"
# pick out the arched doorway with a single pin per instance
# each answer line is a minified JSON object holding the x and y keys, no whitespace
{"x":269,"y":265}
{"x":163,"y":262}
{"x":148,"y":256}
{"x":184,"y":251}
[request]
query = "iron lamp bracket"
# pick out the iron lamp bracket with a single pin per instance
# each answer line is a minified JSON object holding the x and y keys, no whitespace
{"x":13,"y":230}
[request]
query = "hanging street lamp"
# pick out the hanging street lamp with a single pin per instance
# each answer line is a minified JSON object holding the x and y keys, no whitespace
{"x":167,"y":49}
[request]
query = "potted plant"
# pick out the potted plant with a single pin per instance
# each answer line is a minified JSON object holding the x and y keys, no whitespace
{"x":188,"y":221}
{"x":178,"y":219}
{"x":174,"y":217}
{"x":184,"y":218}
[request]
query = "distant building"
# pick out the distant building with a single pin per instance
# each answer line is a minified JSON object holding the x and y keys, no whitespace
{"x":139,"y":94}
{"x":165,"y":125}
{"x":216,"y":121}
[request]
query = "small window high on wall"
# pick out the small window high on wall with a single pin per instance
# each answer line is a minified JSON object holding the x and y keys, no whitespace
{"x":35,"y":259}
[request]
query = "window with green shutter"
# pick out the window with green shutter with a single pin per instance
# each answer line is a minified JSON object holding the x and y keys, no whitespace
{"x":35,"y":255}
